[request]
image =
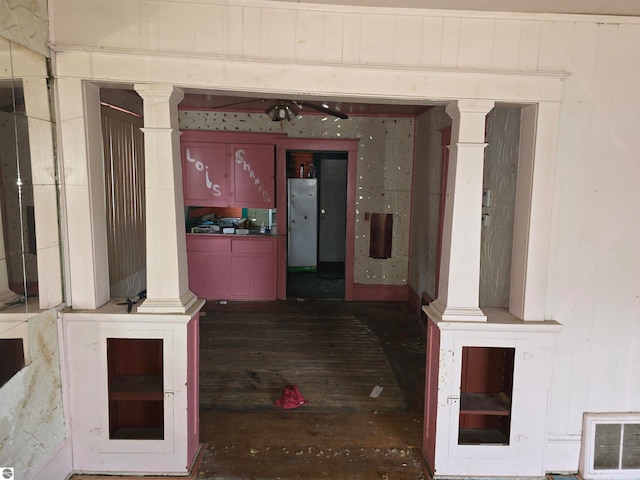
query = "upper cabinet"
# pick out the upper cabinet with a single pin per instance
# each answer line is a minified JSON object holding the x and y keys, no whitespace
{"x":219,"y":172}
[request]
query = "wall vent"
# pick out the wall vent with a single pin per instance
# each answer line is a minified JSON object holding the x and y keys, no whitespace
{"x":610,"y":446}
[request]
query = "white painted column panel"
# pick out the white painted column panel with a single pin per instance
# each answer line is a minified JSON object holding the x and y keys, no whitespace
{"x":78,"y":106}
{"x":167,"y":276}
{"x":458,"y":291}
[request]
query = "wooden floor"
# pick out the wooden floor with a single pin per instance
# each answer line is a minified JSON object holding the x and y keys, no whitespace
{"x":336,"y":353}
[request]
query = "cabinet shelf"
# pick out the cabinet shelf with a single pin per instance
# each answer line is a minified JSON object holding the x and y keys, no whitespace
{"x":136,"y":387}
{"x":485,"y":404}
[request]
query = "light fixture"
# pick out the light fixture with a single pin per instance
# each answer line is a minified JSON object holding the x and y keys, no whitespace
{"x":280,"y":111}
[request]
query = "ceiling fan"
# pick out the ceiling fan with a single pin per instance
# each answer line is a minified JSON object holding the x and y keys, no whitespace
{"x":288,"y":109}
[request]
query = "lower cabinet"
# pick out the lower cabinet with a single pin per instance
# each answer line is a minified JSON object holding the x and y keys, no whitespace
{"x":233,"y":268}
{"x":486,"y":392}
{"x":133,"y":384}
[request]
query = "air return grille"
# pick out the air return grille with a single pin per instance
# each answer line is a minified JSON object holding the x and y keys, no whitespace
{"x":610,"y":446}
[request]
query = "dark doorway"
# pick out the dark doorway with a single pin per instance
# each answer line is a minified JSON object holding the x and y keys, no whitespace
{"x":324,"y":275}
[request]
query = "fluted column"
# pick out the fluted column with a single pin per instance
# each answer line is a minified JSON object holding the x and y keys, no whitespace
{"x":167,"y":276}
{"x":458,"y":289}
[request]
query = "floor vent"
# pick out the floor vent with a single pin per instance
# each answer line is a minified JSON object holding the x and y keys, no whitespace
{"x":610,"y":446}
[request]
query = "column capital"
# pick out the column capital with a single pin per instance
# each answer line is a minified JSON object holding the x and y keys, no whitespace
{"x":149,"y":91}
{"x":469,"y":120}
{"x":458,"y":107}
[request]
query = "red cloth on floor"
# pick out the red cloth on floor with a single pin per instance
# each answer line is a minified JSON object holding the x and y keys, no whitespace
{"x":291,"y":398}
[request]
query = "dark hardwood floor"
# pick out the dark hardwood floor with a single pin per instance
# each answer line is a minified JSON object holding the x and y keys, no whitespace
{"x":336,"y":353}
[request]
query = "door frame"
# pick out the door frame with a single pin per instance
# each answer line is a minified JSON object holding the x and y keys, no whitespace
{"x":312,"y":144}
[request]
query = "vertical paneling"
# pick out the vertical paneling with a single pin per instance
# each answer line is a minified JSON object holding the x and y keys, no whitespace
{"x":408,"y":40}
{"x":233,"y":31}
{"x":149,"y":27}
{"x":476,"y":42}
{"x":432,"y":30}
{"x":209,"y":29}
{"x":555,"y":42}
{"x":450,"y":42}
{"x":179,"y":18}
{"x":309,"y":35}
{"x":277,"y":33}
{"x":251,"y":28}
{"x":332,"y":37}
{"x":351,"y":47}
{"x":124,"y":187}
{"x":620,"y":245}
{"x":380,"y":31}
{"x":529,"y":45}
{"x":506,"y":44}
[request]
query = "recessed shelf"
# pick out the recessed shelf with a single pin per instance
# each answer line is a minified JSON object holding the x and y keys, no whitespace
{"x":476,"y":436}
{"x":485,"y":404}
{"x":136,"y":387}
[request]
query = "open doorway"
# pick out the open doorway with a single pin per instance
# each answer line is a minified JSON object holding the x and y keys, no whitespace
{"x":316,"y":223}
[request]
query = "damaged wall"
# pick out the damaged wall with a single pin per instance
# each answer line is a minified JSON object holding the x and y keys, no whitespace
{"x":32,"y":425}
{"x":26,"y":22}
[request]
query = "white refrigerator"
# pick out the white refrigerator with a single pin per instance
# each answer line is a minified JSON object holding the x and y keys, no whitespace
{"x":302,"y":240}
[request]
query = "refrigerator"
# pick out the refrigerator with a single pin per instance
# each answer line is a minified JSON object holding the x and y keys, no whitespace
{"x":302,"y":244}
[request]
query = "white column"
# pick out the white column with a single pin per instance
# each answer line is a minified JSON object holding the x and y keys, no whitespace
{"x":84,"y":223}
{"x":167,"y":276}
{"x":534,"y":201}
{"x":458,"y":290}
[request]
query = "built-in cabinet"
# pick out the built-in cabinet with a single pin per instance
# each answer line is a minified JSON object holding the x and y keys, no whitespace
{"x":233,"y":267}
{"x":486,"y":395}
{"x":135,"y":388}
{"x":217,"y":172}
{"x":133,"y":384}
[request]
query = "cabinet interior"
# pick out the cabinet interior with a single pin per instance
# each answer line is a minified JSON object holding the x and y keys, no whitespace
{"x":485,"y":395}
{"x":136,"y":393}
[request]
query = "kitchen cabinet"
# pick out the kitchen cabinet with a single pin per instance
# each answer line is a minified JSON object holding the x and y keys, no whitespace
{"x":217,"y":174}
{"x":233,"y":267}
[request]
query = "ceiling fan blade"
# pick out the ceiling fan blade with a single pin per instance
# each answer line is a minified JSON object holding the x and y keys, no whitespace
{"x":323,"y":109}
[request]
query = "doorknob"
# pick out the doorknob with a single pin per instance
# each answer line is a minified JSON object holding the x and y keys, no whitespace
{"x":323,"y":211}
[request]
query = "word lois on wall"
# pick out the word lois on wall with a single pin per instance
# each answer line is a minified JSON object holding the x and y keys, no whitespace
{"x":240,"y":160}
{"x":201,"y":167}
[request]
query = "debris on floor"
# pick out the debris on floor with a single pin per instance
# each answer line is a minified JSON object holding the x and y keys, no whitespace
{"x":291,"y":398}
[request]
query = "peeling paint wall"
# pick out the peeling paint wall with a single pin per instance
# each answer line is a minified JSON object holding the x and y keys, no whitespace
{"x":385,"y":159}
{"x":26,"y":22}
{"x":31,"y":410}
{"x":500,"y":174}
{"x":426,"y":201}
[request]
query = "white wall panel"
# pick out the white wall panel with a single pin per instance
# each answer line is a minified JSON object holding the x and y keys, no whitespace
{"x":555,"y":40}
{"x":408,"y":39}
{"x":309,"y":27}
{"x":474,"y":53}
{"x":380,"y":32}
{"x":529,"y":45}
{"x":506,"y":44}
{"x":209,"y":29}
{"x":251,"y":28}
{"x":332,"y":37}
{"x":351,"y":47}
{"x":450,"y":42}
{"x":278,"y":33}
{"x":431,"y":47}
{"x":150,"y":32}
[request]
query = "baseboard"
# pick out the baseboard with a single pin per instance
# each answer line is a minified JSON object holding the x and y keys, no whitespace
{"x":380,"y":293}
{"x":59,"y":465}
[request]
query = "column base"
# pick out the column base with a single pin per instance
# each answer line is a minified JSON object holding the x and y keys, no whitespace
{"x":169,"y":305}
{"x":439,"y":311}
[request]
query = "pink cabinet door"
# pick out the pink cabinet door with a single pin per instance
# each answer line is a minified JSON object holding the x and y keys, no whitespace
{"x":265,"y":277}
{"x":240,"y":281}
{"x":253,"y":175}
{"x":205,"y":174}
